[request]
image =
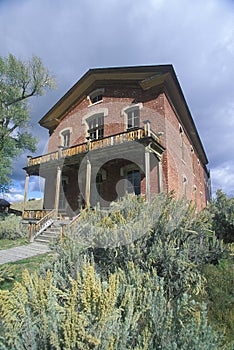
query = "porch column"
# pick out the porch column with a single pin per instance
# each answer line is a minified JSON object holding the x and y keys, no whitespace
{"x":25,"y":191}
{"x":88,"y":183}
{"x":147,"y":174}
{"x":57,"y":189}
{"x":160,"y":183}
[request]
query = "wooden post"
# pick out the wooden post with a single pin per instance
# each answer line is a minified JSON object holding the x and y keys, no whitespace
{"x":30,"y":232}
{"x":147,"y":127}
{"x":57,"y":190}
{"x":88,"y":184}
{"x":147,"y":174}
{"x":25,"y":191}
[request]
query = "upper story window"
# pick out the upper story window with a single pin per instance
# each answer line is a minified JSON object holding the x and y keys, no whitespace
{"x":96,"y":126}
{"x":181,"y":141}
{"x":65,"y":137}
{"x":96,"y":96}
{"x":132,"y":116}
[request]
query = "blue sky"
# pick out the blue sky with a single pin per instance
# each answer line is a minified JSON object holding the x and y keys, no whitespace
{"x":71,"y":36}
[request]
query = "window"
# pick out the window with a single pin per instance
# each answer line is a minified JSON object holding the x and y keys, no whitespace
{"x":133,"y":118}
{"x":134,"y":182}
{"x":65,"y":138}
{"x":181,"y":142}
{"x":185,"y":183}
{"x":96,"y":96}
{"x":96,"y":126}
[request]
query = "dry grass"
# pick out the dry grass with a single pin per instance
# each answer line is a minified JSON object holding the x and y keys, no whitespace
{"x":31,"y":205}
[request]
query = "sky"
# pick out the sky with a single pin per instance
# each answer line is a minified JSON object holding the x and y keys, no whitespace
{"x":72,"y":36}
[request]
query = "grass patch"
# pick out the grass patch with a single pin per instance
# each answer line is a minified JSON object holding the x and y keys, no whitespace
{"x":31,"y":264}
{"x":6,"y":243}
{"x":33,"y":204}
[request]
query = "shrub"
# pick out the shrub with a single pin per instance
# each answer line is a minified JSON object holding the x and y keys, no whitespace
{"x":123,"y":279}
{"x":128,"y":310}
{"x":6,"y":273}
{"x":220,"y":296}
{"x":222,"y":211}
{"x":10,"y":227}
{"x":165,"y":234}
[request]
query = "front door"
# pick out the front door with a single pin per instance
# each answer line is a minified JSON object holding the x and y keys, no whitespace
{"x":134,"y":182}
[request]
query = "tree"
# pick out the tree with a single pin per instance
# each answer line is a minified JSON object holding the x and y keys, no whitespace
{"x":19,"y":80}
{"x":222,"y":210}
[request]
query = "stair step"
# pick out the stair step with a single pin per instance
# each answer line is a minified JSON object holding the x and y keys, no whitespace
{"x":47,"y":236}
{"x":52,"y":232}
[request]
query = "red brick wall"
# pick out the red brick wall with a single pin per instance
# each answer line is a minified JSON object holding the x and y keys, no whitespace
{"x":156,"y":109}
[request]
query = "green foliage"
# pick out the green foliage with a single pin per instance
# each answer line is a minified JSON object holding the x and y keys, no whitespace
{"x":10,"y":227}
{"x":18,"y":82}
{"x":220,"y":295}
{"x":165,"y":234}
{"x":6,"y":273}
{"x":222,"y":210}
{"x":123,"y":279}
{"x":126,"y":311}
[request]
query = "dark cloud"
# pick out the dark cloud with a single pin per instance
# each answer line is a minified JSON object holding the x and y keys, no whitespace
{"x":197,"y":37}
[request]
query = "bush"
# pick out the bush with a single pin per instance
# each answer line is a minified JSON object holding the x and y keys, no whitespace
{"x":122,"y":279}
{"x":222,"y":211}
{"x":164,"y":234}
{"x":128,"y":310}
{"x":220,"y":296}
{"x":10,"y":227}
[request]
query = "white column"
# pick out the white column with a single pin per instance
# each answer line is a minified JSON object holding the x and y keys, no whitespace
{"x":147,"y":174}
{"x":160,"y":184}
{"x":57,"y":189}
{"x":25,"y":191}
{"x":88,"y":184}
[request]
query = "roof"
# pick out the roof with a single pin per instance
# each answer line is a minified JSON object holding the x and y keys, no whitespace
{"x":145,"y":77}
{"x":4,"y":203}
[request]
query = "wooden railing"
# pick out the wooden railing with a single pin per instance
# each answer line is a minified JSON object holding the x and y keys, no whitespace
{"x":35,"y":214}
{"x":36,"y":227}
{"x":108,"y":141}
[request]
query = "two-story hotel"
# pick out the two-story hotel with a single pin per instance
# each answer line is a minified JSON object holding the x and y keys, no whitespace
{"x":118,"y":130}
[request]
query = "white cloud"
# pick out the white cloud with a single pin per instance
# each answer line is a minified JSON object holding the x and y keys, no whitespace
{"x":223,"y":175}
{"x":11,"y":197}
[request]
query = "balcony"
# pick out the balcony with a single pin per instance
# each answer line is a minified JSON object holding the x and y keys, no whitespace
{"x":113,"y":140}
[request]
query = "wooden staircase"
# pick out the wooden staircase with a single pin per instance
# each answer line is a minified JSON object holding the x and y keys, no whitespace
{"x":48,"y":227}
{"x":51,"y":233}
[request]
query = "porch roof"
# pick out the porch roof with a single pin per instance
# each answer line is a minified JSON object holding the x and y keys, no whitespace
{"x":73,"y":155}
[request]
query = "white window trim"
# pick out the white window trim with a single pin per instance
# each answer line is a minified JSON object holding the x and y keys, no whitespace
{"x":61,"y":134}
{"x":124,"y":112}
{"x":89,"y":115}
{"x":93,"y":94}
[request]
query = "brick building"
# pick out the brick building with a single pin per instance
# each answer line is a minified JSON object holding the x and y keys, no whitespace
{"x":117,"y":130}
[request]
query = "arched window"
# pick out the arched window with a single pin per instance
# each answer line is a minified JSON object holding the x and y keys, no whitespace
{"x":181,"y":142}
{"x":132,"y":116}
{"x":96,"y":96}
{"x":185,"y":184}
{"x":65,"y":136}
{"x":96,"y":126}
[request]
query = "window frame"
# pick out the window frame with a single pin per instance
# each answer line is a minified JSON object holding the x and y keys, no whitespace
{"x":65,"y":133}
{"x":98,"y":128}
{"x":131,"y":109}
{"x":96,"y":94}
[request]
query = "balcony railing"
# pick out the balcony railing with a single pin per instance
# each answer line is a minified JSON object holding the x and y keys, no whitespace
{"x":108,"y":141}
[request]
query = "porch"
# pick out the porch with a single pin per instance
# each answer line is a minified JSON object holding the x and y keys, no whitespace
{"x":97,"y":171}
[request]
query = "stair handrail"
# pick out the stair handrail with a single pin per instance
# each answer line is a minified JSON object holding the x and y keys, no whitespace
{"x":38,"y":227}
{"x":72,"y":222}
